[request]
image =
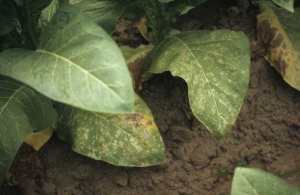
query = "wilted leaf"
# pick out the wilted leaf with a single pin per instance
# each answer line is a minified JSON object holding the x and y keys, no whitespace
{"x":279,"y":30}
{"x":135,"y":58}
{"x":22,"y":111}
{"x":215,"y":65}
{"x":286,"y":4}
{"x":143,"y":29}
{"x":123,"y":139}
{"x":76,"y":63}
{"x":257,"y":182}
{"x":37,"y":139}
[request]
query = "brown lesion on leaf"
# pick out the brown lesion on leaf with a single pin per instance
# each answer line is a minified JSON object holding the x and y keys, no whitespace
{"x":134,"y":119}
{"x":149,"y":122}
{"x":273,"y":40}
{"x":136,"y":70}
{"x":265,"y":32}
{"x":280,"y":64}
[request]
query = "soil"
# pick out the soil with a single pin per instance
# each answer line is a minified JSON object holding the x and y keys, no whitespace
{"x":266,"y":134}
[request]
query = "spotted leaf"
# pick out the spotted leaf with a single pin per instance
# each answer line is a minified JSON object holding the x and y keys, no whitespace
{"x":215,"y":65}
{"x":279,"y":30}
{"x":119,"y":139}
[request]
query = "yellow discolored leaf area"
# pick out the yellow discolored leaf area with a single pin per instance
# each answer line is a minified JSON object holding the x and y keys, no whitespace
{"x":279,"y":30}
{"x":37,"y":139}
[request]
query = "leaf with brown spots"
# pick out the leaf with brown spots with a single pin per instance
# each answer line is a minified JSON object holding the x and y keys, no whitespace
{"x":279,"y":30}
{"x":119,"y":139}
{"x":215,"y":65}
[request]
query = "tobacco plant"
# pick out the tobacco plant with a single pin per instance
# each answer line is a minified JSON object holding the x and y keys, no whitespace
{"x":58,"y":53}
{"x":60,"y":67}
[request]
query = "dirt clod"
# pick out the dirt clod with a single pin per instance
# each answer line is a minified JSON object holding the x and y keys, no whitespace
{"x":122,"y":179}
{"x":181,"y":134}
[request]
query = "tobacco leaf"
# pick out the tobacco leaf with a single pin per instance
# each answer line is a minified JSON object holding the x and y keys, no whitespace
{"x":279,"y":30}
{"x":215,"y":65}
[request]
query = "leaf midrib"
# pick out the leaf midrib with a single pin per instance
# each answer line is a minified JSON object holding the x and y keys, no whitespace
{"x":12,"y":97}
{"x":214,"y":98}
{"x":80,"y":68}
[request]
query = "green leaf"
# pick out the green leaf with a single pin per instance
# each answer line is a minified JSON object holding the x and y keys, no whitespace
{"x":279,"y":30}
{"x":286,"y":4}
{"x":105,"y":12}
{"x":257,"y":182}
{"x":132,"y":54}
{"x":6,"y":26}
{"x":165,"y":1}
{"x":76,"y":63}
{"x":48,"y":13}
{"x":22,"y":111}
{"x":119,"y":139}
{"x":215,"y":65}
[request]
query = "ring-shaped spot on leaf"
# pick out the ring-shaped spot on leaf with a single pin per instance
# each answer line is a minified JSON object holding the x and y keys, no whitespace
{"x":22,"y":111}
{"x":215,"y":65}
{"x":119,"y":139}
{"x":76,"y":63}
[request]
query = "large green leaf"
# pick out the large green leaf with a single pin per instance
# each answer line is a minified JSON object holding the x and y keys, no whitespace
{"x":22,"y":111}
{"x":215,"y":65}
{"x":248,"y":181}
{"x":76,"y":63}
{"x":120,"y":139}
{"x":279,"y":30}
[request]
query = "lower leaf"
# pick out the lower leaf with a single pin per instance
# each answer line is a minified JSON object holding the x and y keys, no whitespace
{"x":119,"y":139}
{"x":22,"y":111}
{"x":257,"y":182}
